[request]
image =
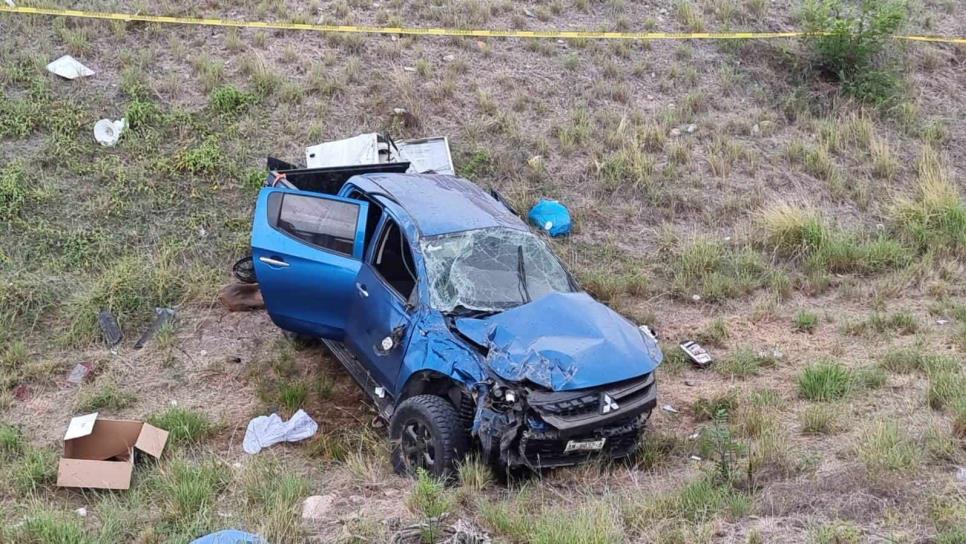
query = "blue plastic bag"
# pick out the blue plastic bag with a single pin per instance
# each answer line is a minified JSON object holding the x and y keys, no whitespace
{"x":551,"y":217}
{"x":229,"y":536}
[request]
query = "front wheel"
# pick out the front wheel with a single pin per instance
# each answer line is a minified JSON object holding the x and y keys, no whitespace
{"x":427,"y":434}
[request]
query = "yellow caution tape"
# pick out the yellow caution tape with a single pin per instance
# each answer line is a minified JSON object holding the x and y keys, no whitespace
{"x":476,"y":33}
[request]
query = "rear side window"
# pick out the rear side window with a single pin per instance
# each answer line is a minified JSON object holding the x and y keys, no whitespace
{"x":323,"y":223}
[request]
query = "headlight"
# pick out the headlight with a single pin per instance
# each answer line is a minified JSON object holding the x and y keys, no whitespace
{"x":650,"y":343}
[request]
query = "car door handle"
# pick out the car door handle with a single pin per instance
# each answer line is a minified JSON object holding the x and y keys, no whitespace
{"x":273,"y":262}
{"x":362,"y":290}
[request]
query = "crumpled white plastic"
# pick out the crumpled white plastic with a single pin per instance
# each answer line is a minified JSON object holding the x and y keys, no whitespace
{"x":265,"y":431}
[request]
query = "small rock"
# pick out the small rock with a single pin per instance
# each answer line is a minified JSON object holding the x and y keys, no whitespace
{"x":317,"y":506}
{"x":357,"y":499}
{"x":449,"y":58}
{"x":675,"y":132}
{"x":689,"y":383}
{"x":82,"y":512}
{"x":691,"y":128}
{"x":696,"y":298}
{"x":529,"y":13}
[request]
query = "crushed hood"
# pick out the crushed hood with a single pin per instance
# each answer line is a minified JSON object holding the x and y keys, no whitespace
{"x":563,"y":341}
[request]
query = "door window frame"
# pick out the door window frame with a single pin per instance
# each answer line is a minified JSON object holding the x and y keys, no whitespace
{"x":370,"y":261}
{"x":358,"y":241}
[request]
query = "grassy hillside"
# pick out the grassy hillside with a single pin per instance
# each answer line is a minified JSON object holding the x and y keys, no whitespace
{"x":795,"y":205}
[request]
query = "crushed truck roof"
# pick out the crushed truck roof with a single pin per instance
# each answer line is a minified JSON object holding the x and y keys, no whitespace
{"x":441,"y":204}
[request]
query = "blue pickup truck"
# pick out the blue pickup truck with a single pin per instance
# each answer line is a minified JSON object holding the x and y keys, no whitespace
{"x":459,"y":322}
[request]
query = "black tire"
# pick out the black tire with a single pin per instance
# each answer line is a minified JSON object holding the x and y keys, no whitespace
{"x":427,"y":433}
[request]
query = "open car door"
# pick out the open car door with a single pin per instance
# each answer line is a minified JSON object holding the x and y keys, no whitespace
{"x":307,"y":250}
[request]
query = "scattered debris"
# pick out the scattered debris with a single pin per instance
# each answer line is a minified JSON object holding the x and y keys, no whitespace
{"x":109,"y":328}
{"x":161,"y":316}
{"x":82,"y":512}
{"x":244,"y":270}
{"x":942,"y":321}
{"x":79,"y":373}
{"x":449,"y":58}
{"x":108,"y":132}
{"x":68,"y":67}
{"x":317,"y":507}
{"x":229,"y":536}
{"x":694,"y":435}
{"x":695,"y":458}
{"x":265,"y":431}
{"x":670,"y":409}
{"x":696,"y":298}
{"x":99,"y":453}
{"x":425,"y":155}
{"x":241,"y":297}
{"x":461,"y":532}
{"x":696,"y":353}
{"x":550,"y":216}
{"x":402,"y":118}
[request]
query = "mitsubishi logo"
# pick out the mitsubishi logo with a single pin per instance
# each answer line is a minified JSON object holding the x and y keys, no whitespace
{"x":607,"y":404}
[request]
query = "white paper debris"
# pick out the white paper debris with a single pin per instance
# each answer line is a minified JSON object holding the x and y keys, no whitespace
{"x":80,"y":426}
{"x":265,"y":431}
{"x":108,"y":132}
{"x":67,"y":67}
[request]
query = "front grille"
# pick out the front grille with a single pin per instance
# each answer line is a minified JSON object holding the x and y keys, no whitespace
{"x":574,"y":406}
{"x":570,"y":404}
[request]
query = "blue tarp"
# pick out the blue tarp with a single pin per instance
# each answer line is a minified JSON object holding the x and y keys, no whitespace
{"x":230,"y":536}
{"x":551,"y":217}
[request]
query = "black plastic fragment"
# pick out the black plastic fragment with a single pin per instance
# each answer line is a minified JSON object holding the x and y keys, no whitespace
{"x":244,"y":270}
{"x":161,"y":316}
{"x":109,"y":328}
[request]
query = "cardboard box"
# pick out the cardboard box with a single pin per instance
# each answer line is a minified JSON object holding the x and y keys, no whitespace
{"x":99,"y":452}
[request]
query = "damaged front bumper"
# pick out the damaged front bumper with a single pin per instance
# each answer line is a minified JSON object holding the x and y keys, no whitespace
{"x":543,"y":429}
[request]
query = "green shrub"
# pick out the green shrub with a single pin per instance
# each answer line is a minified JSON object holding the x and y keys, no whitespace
{"x":934,"y":216}
{"x":720,"y":405}
{"x":805,"y":322}
{"x":745,"y":362}
{"x":15,"y":191}
{"x":185,"y":426}
{"x":228,"y":99}
{"x":852,"y":44}
{"x":825,"y":381}
{"x":11,"y":440}
{"x":886,"y":447}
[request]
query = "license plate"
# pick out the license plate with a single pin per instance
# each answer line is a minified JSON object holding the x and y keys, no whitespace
{"x":584,"y":445}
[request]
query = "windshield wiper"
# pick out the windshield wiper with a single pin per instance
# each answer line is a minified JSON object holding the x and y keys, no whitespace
{"x":522,"y":275}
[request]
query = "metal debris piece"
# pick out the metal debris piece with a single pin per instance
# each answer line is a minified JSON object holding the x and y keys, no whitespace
{"x":424,"y":154}
{"x":109,"y":328}
{"x":461,"y":532}
{"x":161,"y":316}
{"x":108,"y":132}
{"x":696,"y":353}
{"x":67,"y":67}
{"x":79,"y":373}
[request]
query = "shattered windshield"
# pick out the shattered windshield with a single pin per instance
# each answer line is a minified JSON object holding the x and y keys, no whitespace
{"x":491,"y":269}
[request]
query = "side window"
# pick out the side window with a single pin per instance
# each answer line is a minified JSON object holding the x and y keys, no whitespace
{"x":372,"y":217}
{"x":394,"y":260}
{"x":323,"y":223}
